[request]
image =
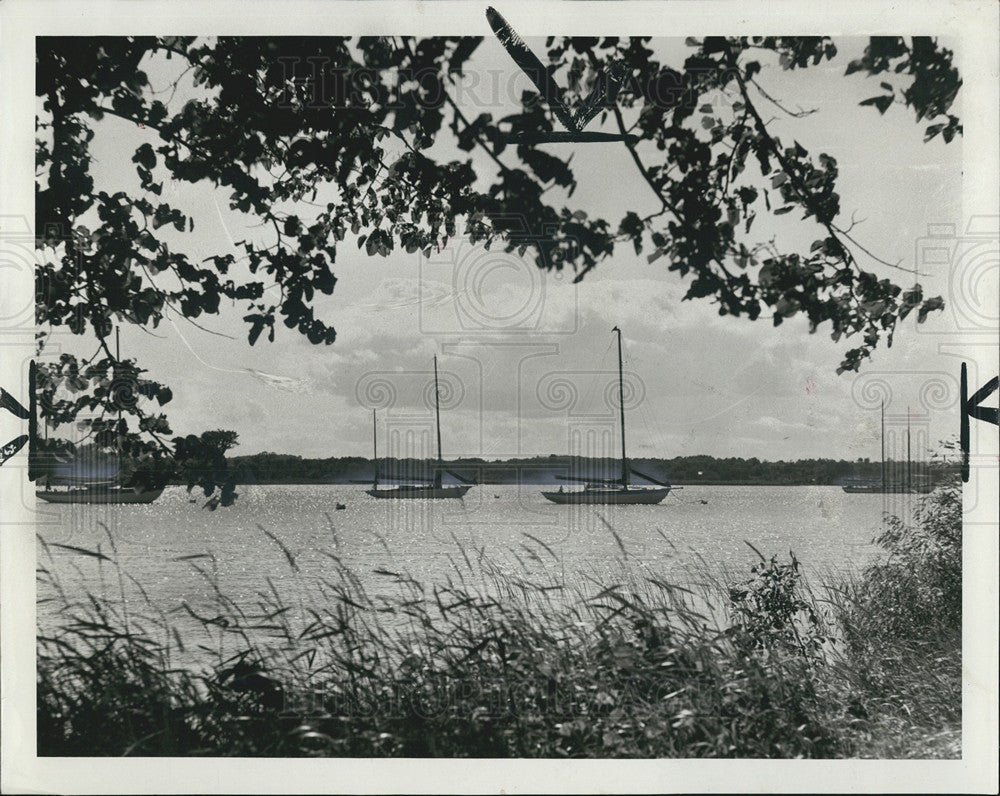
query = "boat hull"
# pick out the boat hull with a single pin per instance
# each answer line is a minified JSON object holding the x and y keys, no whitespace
{"x":609,"y":496}
{"x":115,"y":495}
{"x":419,"y":492}
{"x":878,"y":489}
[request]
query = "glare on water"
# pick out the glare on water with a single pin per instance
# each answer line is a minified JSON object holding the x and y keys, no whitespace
{"x":695,"y":531}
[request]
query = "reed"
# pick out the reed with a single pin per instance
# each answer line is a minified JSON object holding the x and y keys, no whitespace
{"x":509,"y":658}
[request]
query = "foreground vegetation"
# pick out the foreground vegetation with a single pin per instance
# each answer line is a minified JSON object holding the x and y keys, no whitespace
{"x":492,"y":664}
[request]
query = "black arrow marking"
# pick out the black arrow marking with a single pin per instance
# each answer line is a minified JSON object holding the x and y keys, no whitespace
{"x":576,"y":137}
{"x":11,"y":404}
{"x":605,"y":91}
{"x":970,"y":407}
{"x":11,"y":448}
{"x":987,"y":413}
{"x":531,"y":66}
{"x":34,"y":468}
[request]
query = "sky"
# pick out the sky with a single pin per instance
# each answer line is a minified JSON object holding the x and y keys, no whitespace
{"x":527,"y":358}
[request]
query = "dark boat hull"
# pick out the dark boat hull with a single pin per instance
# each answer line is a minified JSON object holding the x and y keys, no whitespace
{"x":118,"y":495}
{"x":878,"y":489}
{"x":419,"y":492}
{"x":609,"y":496}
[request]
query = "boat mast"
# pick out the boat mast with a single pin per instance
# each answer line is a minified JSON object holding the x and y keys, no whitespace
{"x":375,"y":449}
{"x":437,"y":417}
{"x":621,"y":407}
{"x":118,"y":413}
{"x":909,"y":481}
{"x":883,"y":447}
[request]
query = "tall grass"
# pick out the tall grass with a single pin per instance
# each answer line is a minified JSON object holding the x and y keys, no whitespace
{"x":495,"y":663}
{"x":901,"y":626}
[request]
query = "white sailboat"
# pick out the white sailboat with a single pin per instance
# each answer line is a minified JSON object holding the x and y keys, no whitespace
{"x":614,"y":490}
{"x":435,"y":488}
{"x":84,"y":488}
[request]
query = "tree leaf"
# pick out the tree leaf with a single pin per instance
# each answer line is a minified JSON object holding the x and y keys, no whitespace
{"x":882,"y":102}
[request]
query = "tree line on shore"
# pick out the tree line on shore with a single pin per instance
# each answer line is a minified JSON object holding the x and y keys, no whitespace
{"x":277,"y":468}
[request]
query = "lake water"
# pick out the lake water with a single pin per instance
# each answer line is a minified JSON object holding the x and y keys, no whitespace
{"x":695,"y":529}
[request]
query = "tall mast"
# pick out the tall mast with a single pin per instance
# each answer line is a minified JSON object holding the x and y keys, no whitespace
{"x":437,"y":407}
{"x":437,"y":417}
{"x":375,"y":447}
{"x":118,"y":408}
{"x":621,"y":406}
{"x":883,"y":447}
{"x":908,"y":479}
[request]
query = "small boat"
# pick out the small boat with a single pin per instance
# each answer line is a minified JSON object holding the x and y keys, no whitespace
{"x":86,"y":490}
{"x":862,"y":487}
{"x":91,"y":488}
{"x":435,"y":488}
{"x":419,"y":491}
{"x":614,"y":490}
{"x":605,"y":494}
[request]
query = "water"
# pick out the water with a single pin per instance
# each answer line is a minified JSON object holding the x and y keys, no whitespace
{"x":828,"y":530}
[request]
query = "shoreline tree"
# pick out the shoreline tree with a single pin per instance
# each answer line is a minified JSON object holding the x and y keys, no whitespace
{"x":331,"y":142}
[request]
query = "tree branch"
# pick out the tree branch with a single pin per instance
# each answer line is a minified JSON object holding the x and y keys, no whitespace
{"x":803,"y":192}
{"x":667,"y":204}
{"x":797,"y":114}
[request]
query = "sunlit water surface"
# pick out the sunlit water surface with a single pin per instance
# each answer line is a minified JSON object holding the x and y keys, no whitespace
{"x":695,"y":532}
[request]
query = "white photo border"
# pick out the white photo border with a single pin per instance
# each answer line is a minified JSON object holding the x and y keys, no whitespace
{"x":974,"y":23}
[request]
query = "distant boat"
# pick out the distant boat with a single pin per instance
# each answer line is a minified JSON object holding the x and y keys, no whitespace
{"x":434,"y":489}
{"x":613,"y":490}
{"x":81,"y":489}
{"x":90,"y":489}
{"x":861,"y":486}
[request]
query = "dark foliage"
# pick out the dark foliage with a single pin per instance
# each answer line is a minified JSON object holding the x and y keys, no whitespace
{"x":277,"y":122}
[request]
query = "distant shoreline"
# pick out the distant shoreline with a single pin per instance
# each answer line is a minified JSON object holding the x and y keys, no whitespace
{"x":275,"y":468}
{"x":568,"y":485}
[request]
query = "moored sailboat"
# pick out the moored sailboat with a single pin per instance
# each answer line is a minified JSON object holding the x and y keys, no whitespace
{"x":82,"y":489}
{"x":86,"y":487}
{"x":614,"y":490}
{"x":885,"y":487}
{"x":433,"y":489}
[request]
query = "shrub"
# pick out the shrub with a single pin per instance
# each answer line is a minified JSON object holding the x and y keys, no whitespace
{"x":915,"y":594}
{"x":901,"y":627}
{"x":770,"y":613}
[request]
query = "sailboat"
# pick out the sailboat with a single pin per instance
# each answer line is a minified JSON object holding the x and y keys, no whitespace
{"x":90,"y":488}
{"x":84,"y":489}
{"x":861,"y":486}
{"x":433,"y":489}
{"x":614,"y":490}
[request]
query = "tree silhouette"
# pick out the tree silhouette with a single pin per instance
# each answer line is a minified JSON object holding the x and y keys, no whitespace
{"x":327,"y":142}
